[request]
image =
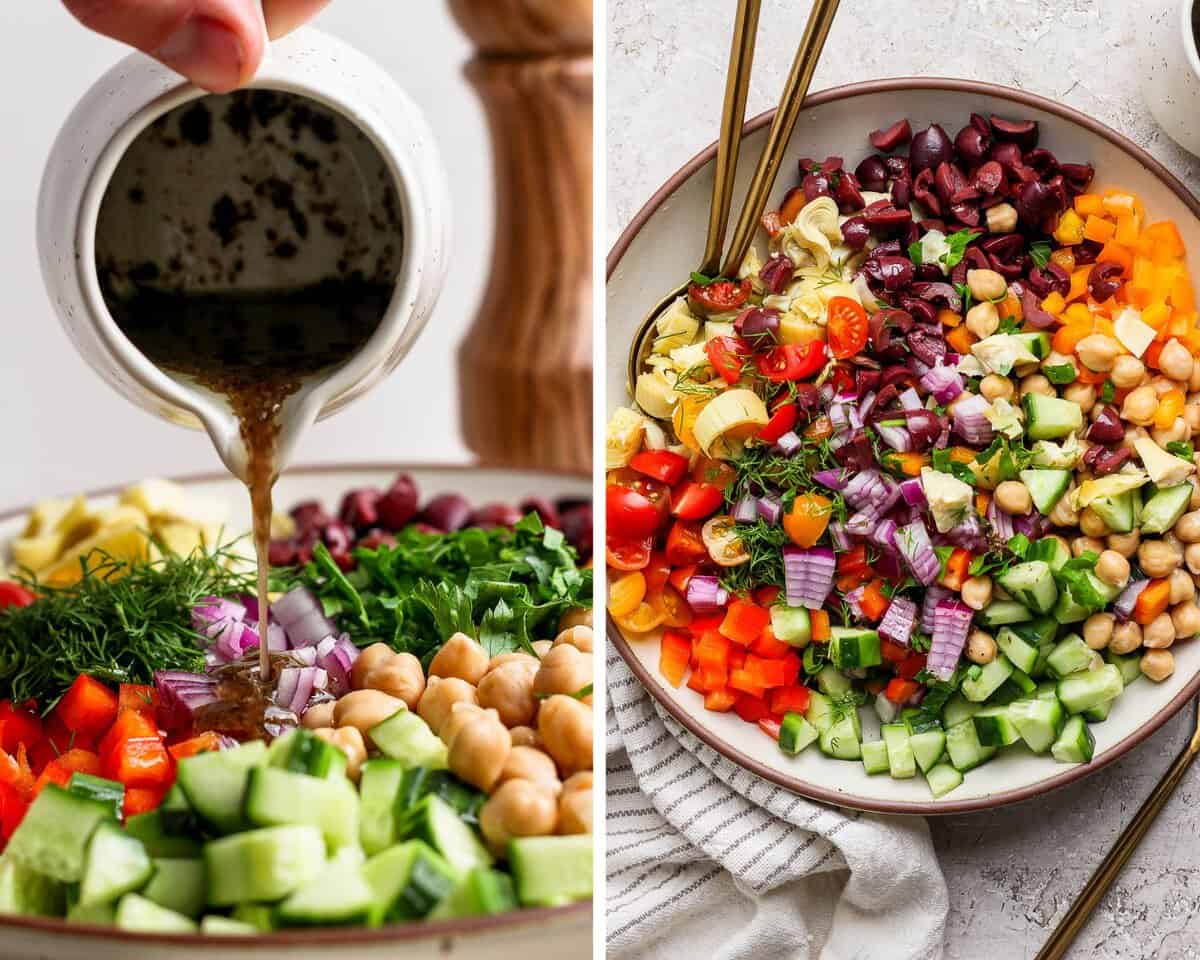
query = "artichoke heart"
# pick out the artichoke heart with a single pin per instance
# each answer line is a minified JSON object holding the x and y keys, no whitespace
{"x":655,"y":394}
{"x":730,"y":417}
{"x":623,"y":437}
{"x":1111,"y":486}
{"x":813,"y":234}
{"x":676,"y":327}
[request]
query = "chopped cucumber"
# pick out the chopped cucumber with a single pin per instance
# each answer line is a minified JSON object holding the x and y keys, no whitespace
{"x":256,"y":915}
{"x":142,"y":916}
{"x":408,"y":881}
{"x":406,"y":737}
{"x":875,"y":757}
{"x":942,"y":779}
{"x":928,"y":747}
{"x":796,"y":733}
{"x":378,"y":788}
{"x":1088,"y":689}
{"x":99,"y":914}
{"x":29,"y":893}
{"x":1000,"y":612}
{"x":53,"y":836}
{"x":962,"y":743}
{"x":1049,"y":550}
{"x":918,"y":721}
{"x":302,"y":751}
{"x":1048,"y":418}
{"x":1117,"y":511}
{"x":820,"y":712}
{"x":957,"y":710}
{"x":275,"y":797}
{"x":178,"y":885}
{"x":1098,"y":713}
{"x":901,"y":761}
{"x":994,"y":727}
{"x":178,"y":817}
{"x":439,"y":825}
{"x":1037,"y":342}
{"x":97,"y":788}
{"x":832,"y":682}
{"x":841,"y":740}
{"x":482,"y":893}
{"x":792,"y":625}
{"x":1166,"y":507}
{"x":1031,"y":584}
{"x":548,"y":871}
{"x":1046,"y":690}
{"x":1069,"y":656}
{"x":337,"y":896}
{"x":1039,"y":722}
{"x":419,"y":782}
{"x":1046,"y":487}
{"x":982,"y":681}
{"x":262,"y":865}
{"x":216,"y":925}
{"x":1070,"y":610}
{"x":1020,"y":652}
{"x":1075,"y":744}
{"x":1130,"y":665}
{"x":116,"y":864}
{"x":149,"y":827}
{"x":215,"y":783}
{"x":851,"y":647}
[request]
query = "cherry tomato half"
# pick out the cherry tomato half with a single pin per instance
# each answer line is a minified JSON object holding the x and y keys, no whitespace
{"x":695,"y":501}
{"x":847,"y":328}
{"x":716,"y":473}
{"x":14,"y":595}
{"x":685,"y":545}
{"x":719,"y":296}
{"x":674,"y":609}
{"x":792,"y":361}
{"x":628,"y":554}
{"x":782,"y":420}
{"x":726,"y":354}
{"x":662,"y":465}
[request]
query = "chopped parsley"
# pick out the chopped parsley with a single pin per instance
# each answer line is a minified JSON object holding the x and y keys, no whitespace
{"x":1039,"y":252}
{"x":1108,"y":392}
{"x":914,"y":252}
{"x":1061,"y":373}
{"x":943,"y":462}
{"x":1181,"y":448}
{"x":957,"y":242}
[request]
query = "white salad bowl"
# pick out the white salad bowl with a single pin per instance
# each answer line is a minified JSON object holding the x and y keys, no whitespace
{"x":664,"y":242}
{"x":555,"y":931}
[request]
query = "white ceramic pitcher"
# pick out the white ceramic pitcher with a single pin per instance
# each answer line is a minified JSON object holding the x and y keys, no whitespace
{"x":138,"y":91}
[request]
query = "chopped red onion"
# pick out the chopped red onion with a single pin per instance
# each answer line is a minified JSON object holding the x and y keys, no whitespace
{"x":1001,"y":522}
{"x":745,"y":510}
{"x":951,"y":623}
{"x":788,"y":443}
{"x":302,"y":616}
{"x":868,"y":401}
{"x":970,"y":421}
{"x":296,"y":685}
{"x":833,"y":479}
{"x":899,"y":621}
{"x":913,"y":543}
{"x":706,"y":595}
{"x":885,"y":709}
{"x":909,"y":400}
{"x":808,"y":576}
{"x":770,"y":508}
{"x":943,"y":382}
{"x":854,"y":601}
{"x":862,"y":489}
{"x":912,"y":492}
{"x":838,"y":417}
{"x":932,"y":596}
{"x":1123,"y":608}
{"x":898,"y":438}
{"x":213,"y":615}
{"x":838,"y":535}
{"x":884,"y":534}
{"x":181,"y":694}
{"x":336,"y":657}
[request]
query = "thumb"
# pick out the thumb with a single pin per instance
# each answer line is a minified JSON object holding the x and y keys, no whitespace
{"x":217,"y":44}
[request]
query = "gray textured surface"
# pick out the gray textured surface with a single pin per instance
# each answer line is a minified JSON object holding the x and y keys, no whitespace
{"x":1014,"y":872}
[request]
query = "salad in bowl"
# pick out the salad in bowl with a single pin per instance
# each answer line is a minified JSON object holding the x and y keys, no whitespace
{"x":925,"y":460}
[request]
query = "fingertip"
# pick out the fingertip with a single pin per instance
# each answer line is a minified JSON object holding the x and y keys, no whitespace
{"x":209,"y":54}
{"x":284,"y":16}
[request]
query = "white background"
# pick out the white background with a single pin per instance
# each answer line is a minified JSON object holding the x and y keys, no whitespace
{"x":64,"y":429}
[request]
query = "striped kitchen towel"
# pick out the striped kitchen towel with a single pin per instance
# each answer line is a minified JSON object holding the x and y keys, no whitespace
{"x":706,"y":860}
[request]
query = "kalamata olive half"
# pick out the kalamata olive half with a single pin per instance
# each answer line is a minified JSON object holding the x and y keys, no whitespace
{"x":847,"y":195}
{"x":1107,"y":427}
{"x":971,"y":143}
{"x":1035,"y":202}
{"x":855,"y":233}
{"x":577,"y":528}
{"x":759,"y":326}
{"x":1087,"y":252}
{"x":398,"y":506}
{"x":282,"y":553}
{"x":777,"y":272}
{"x":892,"y":137}
{"x":816,"y":185}
{"x":338,"y":536}
{"x":543,"y":508}
{"x":872,"y":174}
{"x":930,"y":147}
{"x":309,"y":516}
{"x":447,"y":511}
{"x":360,"y":508}
{"x":492,"y":515}
{"x":1104,"y":280}
{"x":1024,"y":133}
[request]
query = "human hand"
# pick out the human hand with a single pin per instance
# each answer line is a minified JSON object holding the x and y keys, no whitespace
{"x":217,"y":44}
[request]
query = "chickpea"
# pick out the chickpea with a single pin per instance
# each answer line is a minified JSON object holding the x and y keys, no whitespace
{"x":579,"y":781}
{"x":1140,"y":406}
{"x":1187,"y":527}
{"x":1157,"y":558}
{"x":1112,"y":568}
{"x":379,"y":667}
{"x":1194,"y":503}
{"x":995,"y":387}
{"x":977,"y":592}
{"x":1178,"y":430}
{"x":566,"y":727}
{"x":986,"y":284}
{"x":350,"y":741}
{"x":578,"y":637}
{"x":981,"y":647}
{"x":1127,"y":372}
{"x":579,"y":617}
{"x":1159,"y":632}
{"x":478,"y":746}
{"x":1098,"y":352}
{"x":501,"y":659}
{"x":542,"y":647}
{"x":1175,"y":361}
{"x":519,"y":808}
{"x":1191,"y":415}
{"x":1194,"y":379}
{"x":526,"y":737}
{"x":1083,"y":394}
{"x":460,"y":715}
{"x":365,"y":709}
{"x":1098,"y":630}
{"x":537,"y":766}
{"x":1183,"y":589}
{"x":1002,"y":218}
{"x":1191,"y":555}
{"x":1036,"y":383}
{"x":1082,"y":545}
{"x":564,"y":670}
{"x":509,"y":690}
{"x":439,"y":698}
{"x":983,"y":319}
{"x":1062,"y":514}
{"x":318,"y":715}
{"x":1092,"y":524}
{"x":1186,"y":620}
{"x":1125,"y":544}
{"x":1126,"y":638}
{"x":1162,"y":385}
{"x":460,"y":657}
{"x":1012,"y":496}
{"x":1157,"y":664}
{"x":575,"y":812}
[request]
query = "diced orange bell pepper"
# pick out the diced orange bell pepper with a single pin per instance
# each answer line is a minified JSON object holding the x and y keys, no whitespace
{"x":982,"y":500}
{"x":892,"y":652}
{"x":744,"y":621}
{"x":130,"y":723}
{"x":673,"y":657}
{"x":957,"y":565}
{"x":1079,"y":283}
{"x":791,"y":699}
{"x":1067,"y":338}
{"x":720,"y":701}
{"x":949,"y":318}
{"x":1118,"y":202}
{"x":205,"y":742}
{"x":1098,"y":229}
{"x":88,"y":707}
{"x":874,"y":604}
{"x":960,"y":339}
{"x":1089,"y":204}
{"x":142,"y":800}
{"x":139,"y":762}
{"x":1170,"y":406}
{"x":1157,"y":315}
{"x":820,"y":625}
{"x":1128,"y":228}
{"x":1009,"y":307}
{"x":1054,"y":303}
{"x":1064,"y":257}
{"x":910,"y":463}
{"x":1152,"y":601}
{"x":898,"y":690}
{"x":1162,"y":241}
{"x":1070,"y":228}
{"x":1113,"y":252}
{"x":1182,"y":295}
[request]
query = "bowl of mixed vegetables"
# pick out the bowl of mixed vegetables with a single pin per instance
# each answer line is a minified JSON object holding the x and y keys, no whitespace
{"x":416,"y":769}
{"x":896,"y":515}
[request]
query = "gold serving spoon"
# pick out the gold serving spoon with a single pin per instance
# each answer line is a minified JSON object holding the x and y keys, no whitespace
{"x":741,"y":56}
{"x":1093,"y":892}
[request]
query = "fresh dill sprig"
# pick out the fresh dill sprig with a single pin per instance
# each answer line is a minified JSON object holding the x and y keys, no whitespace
{"x":765,"y":545}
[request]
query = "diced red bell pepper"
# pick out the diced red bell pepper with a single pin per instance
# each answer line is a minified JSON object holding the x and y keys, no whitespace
{"x":696,"y":501}
{"x":874,"y":604}
{"x":685,"y":544}
{"x":130,"y":724}
{"x":137,"y":696}
{"x":891,"y":652}
{"x":751,"y":708}
{"x":702,"y":623}
{"x":769,"y":647}
{"x":142,"y":800}
{"x":711,"y":650}
{"x":744,"y":621}
{"x":782,"y":420}
{"x":139,"y":762}
{"x":743,"y":681}
{"x":89,"y":707}
{"x":16,"y":773}
{"x":62,"y":738}
{"x":12,"y":809}
{"x":14,"y":595}
{"x":59,"y":770}
{"x":898,"y":690}
{"x":674,"y":654}
{"x":707,"y":679}
{"x":910,"y":666}
{"x":770,"y":726}
{"x":854,"y":560}
{"x":681,"y":576}
{"x":205,"y":742}
{"x":769,"y":674}
{"x":720,"y":701}
{"x":765,"y":596}
{"x":790,"y":699}
{"x":18,"y":725}
{"x":663,"y":465}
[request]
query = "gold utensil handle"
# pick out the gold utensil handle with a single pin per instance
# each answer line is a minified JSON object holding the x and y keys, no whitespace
{"x":1093,"y":892}
{"x":733,"y":114}
{"x":807,"y":54}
